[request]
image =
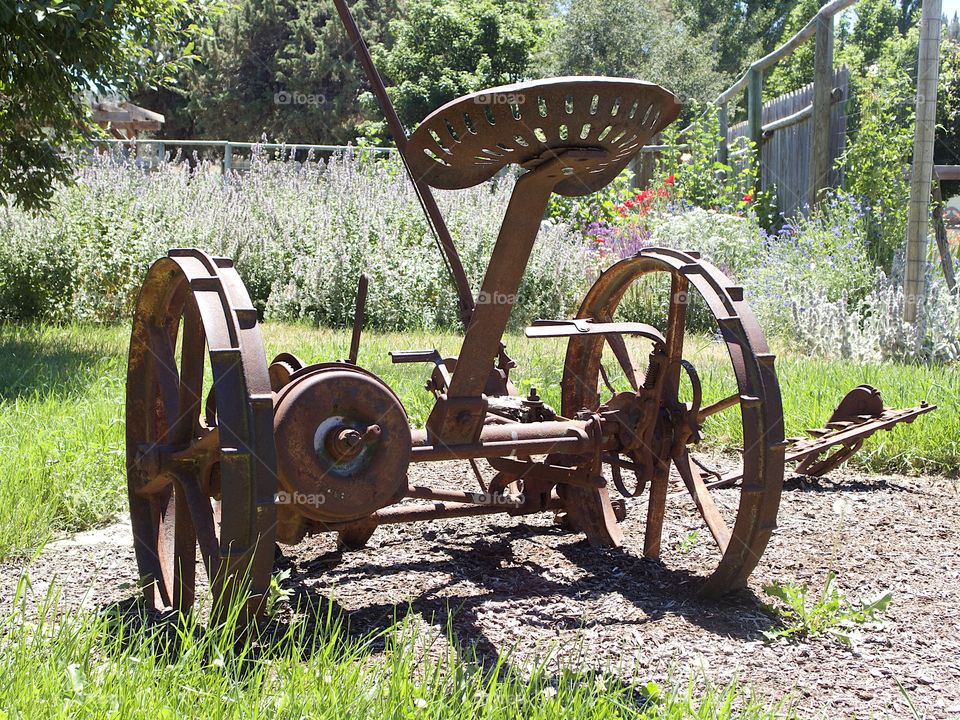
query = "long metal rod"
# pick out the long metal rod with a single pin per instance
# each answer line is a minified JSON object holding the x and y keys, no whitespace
{"x":563,"y":445}
{"x":358,"y":313}
{"x":436,"y":511}
{"x":425,"y":195}
{"x":856,"y":432}
{"x":460,"y":496}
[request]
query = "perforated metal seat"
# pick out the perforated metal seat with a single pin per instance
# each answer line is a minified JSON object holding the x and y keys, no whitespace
{"x":470,"y":139}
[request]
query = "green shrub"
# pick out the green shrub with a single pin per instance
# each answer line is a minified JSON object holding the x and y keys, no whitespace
{"x":38,"y":269}
{"x":698,"y":178}
{"x":878,"y":158}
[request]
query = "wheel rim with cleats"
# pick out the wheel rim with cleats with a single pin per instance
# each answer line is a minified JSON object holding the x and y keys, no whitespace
{"x":740,"y":528}
{"x":200,"y":452}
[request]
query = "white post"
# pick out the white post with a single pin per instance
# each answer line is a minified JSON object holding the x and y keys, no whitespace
{"x":918,"y":219}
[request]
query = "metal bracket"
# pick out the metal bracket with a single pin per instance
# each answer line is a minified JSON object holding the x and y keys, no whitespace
{"x":571,"y":328}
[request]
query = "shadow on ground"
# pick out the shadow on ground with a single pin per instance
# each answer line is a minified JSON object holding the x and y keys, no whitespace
{"x":29,"y":366}
{"x":489,"y":571}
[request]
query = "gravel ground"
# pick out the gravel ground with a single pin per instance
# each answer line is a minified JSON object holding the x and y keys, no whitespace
{"x":525,"y":586}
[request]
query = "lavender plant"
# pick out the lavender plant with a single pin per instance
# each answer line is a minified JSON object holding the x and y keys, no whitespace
{"x":300,"y":234}
{"x":824,"y":253}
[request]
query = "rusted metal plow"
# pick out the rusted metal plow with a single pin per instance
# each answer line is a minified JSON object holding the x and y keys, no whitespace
{"x":224,"y":465}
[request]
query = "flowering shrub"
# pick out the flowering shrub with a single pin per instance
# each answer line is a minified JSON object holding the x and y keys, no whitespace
{"x":731,"y":242}
{"x":700,"y":179}
{"x":825,"y":253}
{"x":603,"y":206}
{"x":300,"y":234}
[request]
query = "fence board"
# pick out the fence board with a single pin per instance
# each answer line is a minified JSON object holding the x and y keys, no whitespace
{"x":785,"y":156}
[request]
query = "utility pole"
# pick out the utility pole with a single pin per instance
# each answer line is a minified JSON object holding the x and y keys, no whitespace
{"x":918,"y":219}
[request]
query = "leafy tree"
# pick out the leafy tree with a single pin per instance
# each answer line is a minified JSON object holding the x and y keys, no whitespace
{"x":796,"y":70}
{"x":951,"y":28}
{"x":909,"y":14}
{"x":443,"y":49}
{"x":877,"y":22}
{"x":279,"y":68}
{"x":858,"y":44}
{"x":946,"y":151}
{"x":53,"y":52}
{"x":603,"y":39}
{"x":739,"y":31}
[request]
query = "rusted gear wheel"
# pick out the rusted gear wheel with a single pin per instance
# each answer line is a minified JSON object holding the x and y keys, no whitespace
{"x":200,"y":475}
{"x":752,"y":386}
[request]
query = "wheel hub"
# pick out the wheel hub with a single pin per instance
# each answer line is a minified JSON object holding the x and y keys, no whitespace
{"x":343,"y":443}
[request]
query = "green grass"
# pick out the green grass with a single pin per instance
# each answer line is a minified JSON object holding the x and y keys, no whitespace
{"x":61,"y":431}
{"x":62,"y":389}
{"x":116,"y":665}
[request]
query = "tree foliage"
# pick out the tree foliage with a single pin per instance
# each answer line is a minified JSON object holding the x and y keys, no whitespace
{"x":53,"y":53}
{"x":740,"y":31}
{"x":796,"y":70}
{"x":946,"y":150}
{"x":877,"y":22}
{"x":443,"y":49}
{"x":284,"y":69}
{"x":951,"y":27}
{"x":646,"y":40}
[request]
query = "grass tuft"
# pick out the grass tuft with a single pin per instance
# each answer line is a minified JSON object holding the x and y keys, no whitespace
{"x":123,"y":663}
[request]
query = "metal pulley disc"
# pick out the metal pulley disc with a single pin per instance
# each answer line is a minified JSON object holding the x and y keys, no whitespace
{"x":343,"y":443}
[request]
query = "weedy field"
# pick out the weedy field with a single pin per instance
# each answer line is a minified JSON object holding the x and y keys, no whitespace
{"x":119,"y":664}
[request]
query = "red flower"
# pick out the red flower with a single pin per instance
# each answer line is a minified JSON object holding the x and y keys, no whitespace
{"x":628,"y":204}
{"x":748,"y":197}
{"x":671,"y":179}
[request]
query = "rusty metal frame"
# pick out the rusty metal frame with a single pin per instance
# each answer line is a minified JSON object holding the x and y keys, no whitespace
{"x":337,"y":429}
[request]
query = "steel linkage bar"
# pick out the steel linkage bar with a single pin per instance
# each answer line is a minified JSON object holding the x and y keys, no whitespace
{"x":434,"y":217}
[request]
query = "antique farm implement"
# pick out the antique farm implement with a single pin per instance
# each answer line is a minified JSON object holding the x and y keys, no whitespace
{"x":266,"y":453}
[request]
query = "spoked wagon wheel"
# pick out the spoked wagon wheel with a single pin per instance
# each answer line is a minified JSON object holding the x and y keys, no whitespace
{"x":200,"y":465}
{"x":740,"y":526}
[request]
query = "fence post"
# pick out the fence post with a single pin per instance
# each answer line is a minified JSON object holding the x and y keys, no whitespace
{"x":723,"y":152}
{"x":755,"y":107}
{"x":227,"y":159}
{"x":918,"y":213}
{"x":820,"y":118}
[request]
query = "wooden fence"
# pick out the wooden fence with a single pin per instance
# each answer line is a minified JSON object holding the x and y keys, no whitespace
{"x":786,"y":146}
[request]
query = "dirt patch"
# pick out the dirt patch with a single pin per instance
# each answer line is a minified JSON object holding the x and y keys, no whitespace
{"x":524,"y":586}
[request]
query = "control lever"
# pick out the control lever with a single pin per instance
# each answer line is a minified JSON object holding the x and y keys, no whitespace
{"x":418,"y":356}
{"x":358,"y":318}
